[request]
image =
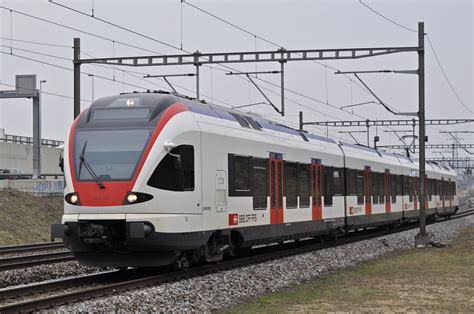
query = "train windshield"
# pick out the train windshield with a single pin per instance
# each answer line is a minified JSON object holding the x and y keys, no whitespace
{"x":109,"y":155}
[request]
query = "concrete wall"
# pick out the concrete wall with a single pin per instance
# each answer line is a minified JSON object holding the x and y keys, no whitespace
{"x":35,"y":187}
{"x":13,"y":155}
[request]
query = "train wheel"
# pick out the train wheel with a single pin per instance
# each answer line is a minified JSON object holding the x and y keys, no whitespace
{"x":215,"y":248}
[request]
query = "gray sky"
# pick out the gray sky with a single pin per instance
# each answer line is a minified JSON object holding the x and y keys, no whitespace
{"x":292,"y":24}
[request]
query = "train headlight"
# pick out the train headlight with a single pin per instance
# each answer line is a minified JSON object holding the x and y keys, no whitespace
{"x":72,"y":198}
{"x":136,"y":197}
{"x":132,"y":198}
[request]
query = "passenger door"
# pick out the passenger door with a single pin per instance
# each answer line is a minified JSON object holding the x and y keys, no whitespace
{"x":275,"y":189}
{"x":415,"y":193}
{"x":387,"y":184}
{"x":317,"y":189}
{"x":368,"y":190}
{"x":443,"y":192}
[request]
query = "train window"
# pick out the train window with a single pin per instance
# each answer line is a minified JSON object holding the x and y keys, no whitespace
{"x":240,"y":174}
{"x":446,"y":193}
{"x":405,"y":185}
{"x":381,"y":187}
{"x":360,"y":186}
{"x":303,"y":184}
{"x":394,"y":184}
{"x":259,"y":183}
{"x":443,"y":189}
{"x":328,"y":185}
{"x":410,"y":189}
{"x":175,"y":172}
{"x":338,"y":181}
{"x":399,"y":184}
{"x":291,"y":187}
{"x":375,"y":184}
{"x":432,"y":188}
{"x":351,"y":182}
{"x":241,"y":120}
{"x":120,"y":113}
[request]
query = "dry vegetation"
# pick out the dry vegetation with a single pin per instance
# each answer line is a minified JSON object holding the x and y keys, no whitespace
{"x":25,"y":218}
{"x":420,"y":280}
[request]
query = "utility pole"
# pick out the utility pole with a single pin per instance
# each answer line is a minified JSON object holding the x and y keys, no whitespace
{"x":92,"y":86}
{"x":422,"y":239}
{"x":77,"y":77}
{"x":197,"y":65}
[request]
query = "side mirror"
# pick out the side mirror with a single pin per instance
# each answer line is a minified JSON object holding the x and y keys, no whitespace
{"x":169,"y":146}
{"x":61,"y":164}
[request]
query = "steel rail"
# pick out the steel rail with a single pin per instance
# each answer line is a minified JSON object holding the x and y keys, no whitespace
{"x":33,"y":247}
{"x":269,"y":253}
{"x":33,"y":260}
{"x":64,"y":283}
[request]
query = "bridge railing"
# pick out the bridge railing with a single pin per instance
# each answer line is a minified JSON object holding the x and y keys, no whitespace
{"x":8,"y":138}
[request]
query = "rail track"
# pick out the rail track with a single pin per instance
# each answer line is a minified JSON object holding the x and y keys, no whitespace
{"x":118,"y":281}
{"x":33,"y":260}
{"x":27,"y":248}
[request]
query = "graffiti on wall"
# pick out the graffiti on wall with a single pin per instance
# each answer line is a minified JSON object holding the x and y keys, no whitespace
{"x":48,"y":187}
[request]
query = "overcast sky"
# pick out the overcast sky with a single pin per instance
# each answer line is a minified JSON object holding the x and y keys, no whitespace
{"x":291,"y":24}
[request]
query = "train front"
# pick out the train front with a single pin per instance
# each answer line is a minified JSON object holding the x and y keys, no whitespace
{"x":106,"y":197}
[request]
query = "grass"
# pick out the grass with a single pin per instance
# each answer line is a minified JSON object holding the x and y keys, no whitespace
{"x":427,"y":280}
{"x":25,"y":218}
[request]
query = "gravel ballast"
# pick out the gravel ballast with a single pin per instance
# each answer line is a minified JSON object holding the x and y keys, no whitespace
{"x":24,"y":276}
{"x":228,"y":288}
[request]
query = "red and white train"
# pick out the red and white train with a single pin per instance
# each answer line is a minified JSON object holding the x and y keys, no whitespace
{"x":157,"y":178}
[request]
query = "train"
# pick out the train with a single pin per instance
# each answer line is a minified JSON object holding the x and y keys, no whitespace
{"x":159,"y":178}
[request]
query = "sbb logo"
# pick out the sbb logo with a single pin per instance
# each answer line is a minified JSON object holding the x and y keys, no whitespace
{"x":233,"y":219}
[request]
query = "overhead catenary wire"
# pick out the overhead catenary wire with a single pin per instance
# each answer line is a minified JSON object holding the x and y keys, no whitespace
{"x":173,"y":46}
{"x":49,"y":93}
{"x":130,"y":72}
{"x":432,"y":49}
{"x":123,"y":43}
{"x":85,"y":73}
{"x":278,"y":45}
{"x":261,"y":38}
{"x":388,"y":19}
{"x":35,"y":42}
{"x":69,"y":69}
{"x":99,"y":76}
{"x":112,"y":40}
{"x":148,"y":50}
{"x":116,"y":25}
{"x":446,"y":76}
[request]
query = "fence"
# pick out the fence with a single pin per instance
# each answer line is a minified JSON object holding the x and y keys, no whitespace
{"x":8,"y":138}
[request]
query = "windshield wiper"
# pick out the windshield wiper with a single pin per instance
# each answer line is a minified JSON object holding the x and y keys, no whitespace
{"x":89,"y":168}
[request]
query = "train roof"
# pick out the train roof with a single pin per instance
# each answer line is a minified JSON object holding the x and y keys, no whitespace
{"x":153,"y":103}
